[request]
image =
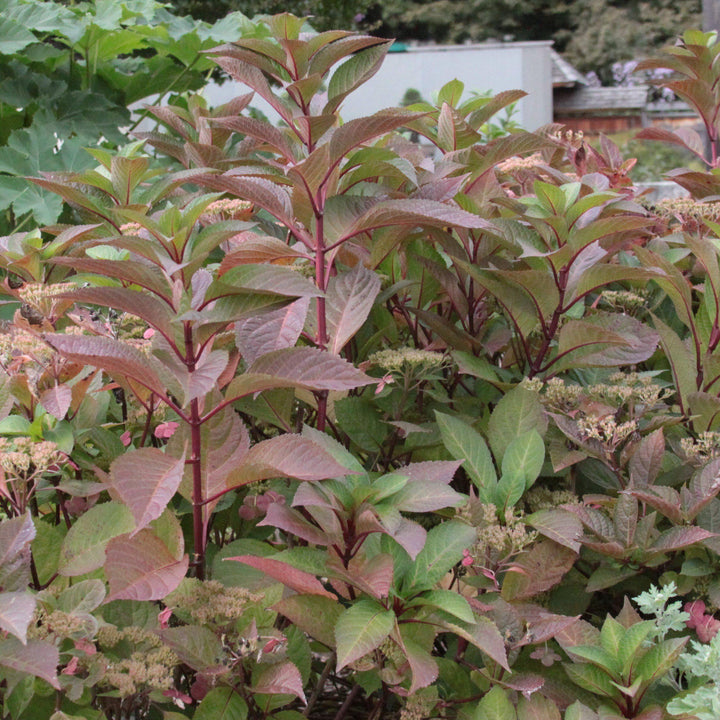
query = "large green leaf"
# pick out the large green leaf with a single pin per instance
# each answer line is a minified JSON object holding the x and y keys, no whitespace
{"x":465,"y":443}
{"x":495,"y":705}
{"x":518,"y":412}
{"x":84,"y":546}
{"x":221,"y":703}
{"x":524,"y":457}
{"x":443,"y":549}
{"x":361,"y":629}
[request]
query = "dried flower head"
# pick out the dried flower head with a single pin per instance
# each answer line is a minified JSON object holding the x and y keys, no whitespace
{"x":406,"y":359}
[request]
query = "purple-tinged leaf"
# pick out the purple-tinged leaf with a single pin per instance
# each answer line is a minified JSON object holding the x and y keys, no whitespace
{"x":256,"y":249}
{"x":684,"y":140}
{"x":360,"y":629}
{"x":373,"y":577}
{"x":153,"y":311}
{"x":274,"y":330}
{"x":288,"y":455}
{"x":422,"y":665}
{"x":483,"y":634}
{"x":355,"y":132}
{"x":297,"y":580}
{"x":113,"y":356}
{"x":350,"y":298}
{"x":411,"y":536}
{"x":426,"y":496}
{"x":538,"y":707}
{"x":129,"y":271}
{"x":314,"y":614}
{"x":440,"y":472}
{"x":268,"y":279}
{"x":292,"y":521}
{"x":283,"y":678}
{"x":665,"y":500}
{"x":416,"y":212}
{"x":16,"y":535}
{"x":206,"y":374}
{"x":703,"y":487}
{"x":38,"y":658}
{"x":145,"y":480}
{"x":56,"y":400}
{"x":311,"y":368}
{"x":627,"y":341}
{"x":680,"y":537}
{"x":263,"y":193}
{"x":142,"y":567}
{"x":559,"y":525}
{"x":540,"y":568}
{"x":16,"y":612}
{"x":646,"y":460}
{"x":263,"y":131}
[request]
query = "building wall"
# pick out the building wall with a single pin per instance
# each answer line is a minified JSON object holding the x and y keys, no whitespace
{"x":492,"y":66}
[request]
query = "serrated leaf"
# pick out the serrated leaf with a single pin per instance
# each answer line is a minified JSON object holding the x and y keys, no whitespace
{"x":465,"y":443}
{"x":141,"y":567}
{"x":360,"y":629}
{"x":524,"y":457}
{"x":283,"y":678}
{"x":288,"y":455}
{"x":16,"y":535}
{"x":517,"y":412}
{"x":350,"y":297}
{"x":195,"y":645}
{"x":680,"y":537}
{"x":443,"y":549}
{"x":145,"y":480}
{"x":38,"y":658}
{"x":495,"y":705}
{"x":354,"y":72}
{"x":447,"y":600}
{"x":16,"y":612}
{"x":274,"y":330}
{"x":84,"y":546}
{"x":298,"y":580}
{"x":314,"y":614}
{"x":559,"y":525}
{"x":56,"y":400}
{"x":221,"y":703}
{"x":113,"y":356}
{"x":310,"y":368}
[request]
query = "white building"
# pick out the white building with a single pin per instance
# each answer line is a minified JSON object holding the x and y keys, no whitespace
{"x":483,"y":67}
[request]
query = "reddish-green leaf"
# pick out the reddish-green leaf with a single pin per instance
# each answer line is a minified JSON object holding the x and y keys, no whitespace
{"x":350,"y":297}
{"x":38,"y":658}
{"x":282,"y":678}
{"x":84,"y":546}
{"x":274,"y":330}
{"x":679,"y":537}
{"x":287,"y":455}
{"x":559,"y":525}
{"x":16,"y":612}
{"x":298,"y":580}
{"x":56,"y":400}
{"x":141,"y":567}
{"x":145,"y":480}
{"x":113,"y":356}
{"x":311,"y":368}
{"x":314,"y":614}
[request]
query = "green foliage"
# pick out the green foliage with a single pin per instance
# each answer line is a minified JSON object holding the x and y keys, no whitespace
{"x":310,"y":410}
